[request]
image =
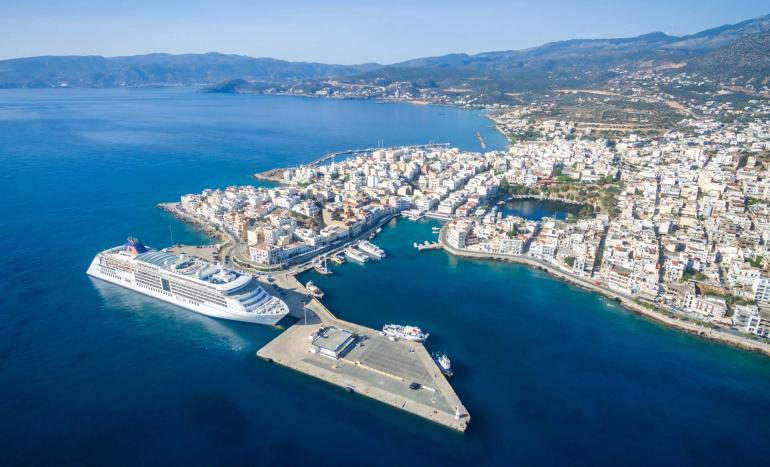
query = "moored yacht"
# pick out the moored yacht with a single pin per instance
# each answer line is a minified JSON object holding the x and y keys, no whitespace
{"x":355,"y":255}
{"x":371,"y":249}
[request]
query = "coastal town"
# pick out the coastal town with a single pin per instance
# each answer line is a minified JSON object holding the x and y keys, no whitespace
{"x":677,"y":222}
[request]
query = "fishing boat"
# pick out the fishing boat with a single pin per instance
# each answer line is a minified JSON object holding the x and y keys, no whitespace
{"x":410,"y":333}
{"x":339,"y":258}
{"x":314,"y":290}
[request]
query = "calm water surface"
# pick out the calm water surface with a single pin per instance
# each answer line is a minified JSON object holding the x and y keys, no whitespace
{"x":95,"y":375}
{"x":537,"y":209}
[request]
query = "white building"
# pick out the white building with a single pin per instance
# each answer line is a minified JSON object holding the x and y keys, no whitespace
{"x":746,"y":318}
{"x":761,"y":288}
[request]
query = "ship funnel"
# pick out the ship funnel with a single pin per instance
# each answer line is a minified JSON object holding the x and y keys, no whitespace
{"x":134,"y":246}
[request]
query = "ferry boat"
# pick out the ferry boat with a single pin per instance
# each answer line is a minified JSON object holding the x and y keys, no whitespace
{"x":443,"y":362}
{"x":410,"y":333}
{"x":314,"y":290}
{"x":355,"y":255}
{"x":371,"y":249}
{"x":189,"y":282}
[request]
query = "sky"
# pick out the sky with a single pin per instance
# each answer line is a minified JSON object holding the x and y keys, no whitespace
{"x":341,"y":31}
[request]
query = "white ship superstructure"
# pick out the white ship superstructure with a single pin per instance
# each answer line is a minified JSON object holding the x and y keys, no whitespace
{"x":355,"y":255}
{"x":411,"y":333}
{"x":188,"y":282}
{"x":371,"y":249}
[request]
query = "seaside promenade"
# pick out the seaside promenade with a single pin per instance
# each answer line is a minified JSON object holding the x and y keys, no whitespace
{"x":626,"y":301}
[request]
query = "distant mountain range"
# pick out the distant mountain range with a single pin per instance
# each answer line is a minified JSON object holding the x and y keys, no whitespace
{"x":578,"y":62}
{"x":732,"y":50}
{"x":159,"y":70}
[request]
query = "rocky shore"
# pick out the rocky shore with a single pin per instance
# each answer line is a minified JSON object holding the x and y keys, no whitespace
{"x":272,"y":175}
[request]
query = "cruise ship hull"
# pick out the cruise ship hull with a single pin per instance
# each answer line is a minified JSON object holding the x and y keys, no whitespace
{"x":124,"y":279}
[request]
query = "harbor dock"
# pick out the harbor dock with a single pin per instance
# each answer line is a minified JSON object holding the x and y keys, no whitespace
{"x":428,"y":246}
{"x":399,"y":373}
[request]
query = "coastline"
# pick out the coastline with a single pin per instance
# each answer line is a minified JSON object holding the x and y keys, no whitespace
{"x":271,"y":175}
{"x":212,"y":232}
{"x":626,"y":302}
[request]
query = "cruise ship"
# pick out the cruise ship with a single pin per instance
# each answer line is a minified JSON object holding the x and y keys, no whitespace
{"x":371,"y":249}
{"x":188,"y":282}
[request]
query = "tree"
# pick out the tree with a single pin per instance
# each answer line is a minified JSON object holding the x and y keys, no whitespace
{"x":744,"y":159}
{"x":504,"y":185}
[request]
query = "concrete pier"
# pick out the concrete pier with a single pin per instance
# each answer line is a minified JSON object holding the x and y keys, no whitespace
{"x":374,"y":366}
{"x":429,"y":246}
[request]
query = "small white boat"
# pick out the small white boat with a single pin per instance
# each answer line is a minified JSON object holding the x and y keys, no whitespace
{"x":314,"y":290}
{"x":443,"y":362}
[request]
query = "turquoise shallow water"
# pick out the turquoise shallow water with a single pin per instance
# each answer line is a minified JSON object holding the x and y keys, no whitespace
{"x":93,"y":374}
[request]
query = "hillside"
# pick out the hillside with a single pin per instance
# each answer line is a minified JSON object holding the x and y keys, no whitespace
{"x":746,"y":60}
{"x":578,"y":62}
{"x":159,"y":70}
{"x":500,"y":77}
{"x":485,"y":78}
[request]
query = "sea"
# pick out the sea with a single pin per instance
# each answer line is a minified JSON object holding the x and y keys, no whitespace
{"x":91,"y":374}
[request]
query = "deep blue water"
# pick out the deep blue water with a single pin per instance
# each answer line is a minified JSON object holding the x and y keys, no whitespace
{"x":92,"y":374}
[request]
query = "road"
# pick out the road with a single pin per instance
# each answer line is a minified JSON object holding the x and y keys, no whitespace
{"x":722,"y":335}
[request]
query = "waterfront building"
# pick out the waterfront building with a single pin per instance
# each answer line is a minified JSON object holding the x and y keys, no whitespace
{"x":708,"y":306}
{"x":265,"y":254}
{"x":457,"y":234}
{"x":761,"y":288}
{"x":747,"y":319}
{"x":332,"y":342}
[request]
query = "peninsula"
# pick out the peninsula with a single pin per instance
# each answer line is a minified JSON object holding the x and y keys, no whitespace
{"x":674,"y":224}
